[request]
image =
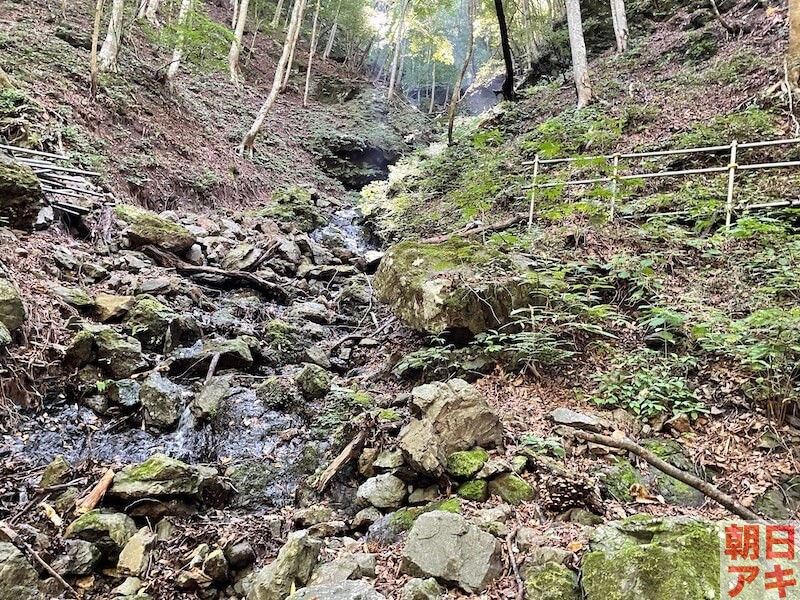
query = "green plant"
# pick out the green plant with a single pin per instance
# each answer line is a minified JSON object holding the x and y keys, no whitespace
{"x":204,"y":41}
{"x":537,"y":445}
{"x":649,"y":384}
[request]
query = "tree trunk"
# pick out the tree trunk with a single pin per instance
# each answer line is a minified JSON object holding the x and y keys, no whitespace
{"x":236,"y":45}
{"x":508,"y":84}
{"x":277,"y":18}
{"x":398,"y":46}
{"x":235,"y":15}
{"x":177,"y":54}
{"x":433,"y":90}
{"x":293,"y":49}
{"x":580,"y":68}
{"x":311,"y":53}
{"x":93,"y":70}
{"x":793,"y":56}
{"x":250,"y":136}
{"x":110,"y":49}
{"x":620,"y":20}
{"x":457,"y":89}
{"x":149,"y":10}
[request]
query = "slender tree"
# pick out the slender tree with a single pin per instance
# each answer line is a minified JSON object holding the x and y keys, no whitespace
{"x":433,"y":89}
{"x":293,"y":48}
{"x":110,"y":50}
{"x":332,"y":35}
{"x":291,"y":38}
{"x":278,"y":12}
{"x":793,"y":56}
{"x":399,"y":34}
{"x":508,"y":60}
{"x":177,"y":53}
{"x":148,"y":9}
{"x":580,"y":66}
{"x":235,"y":13}
{"x":93,"y":68}
{"x":312,"y":50}
{"x":620,"y":21}
{"x":460,"y":80}
{"x":236,"y":45}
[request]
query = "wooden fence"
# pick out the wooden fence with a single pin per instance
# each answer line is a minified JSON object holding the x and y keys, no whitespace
{"x":613,"y":162}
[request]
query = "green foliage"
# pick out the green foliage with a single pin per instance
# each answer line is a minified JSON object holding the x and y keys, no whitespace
{"x":534,"y":444}
{"x":701,"y":45}
{"x":664,"y":323}
{"x":17,"y":113}
{"x":649,"y":384}
{"x":205,"y":42}
{"x":573,"y":132}
{"x":751,"y":124}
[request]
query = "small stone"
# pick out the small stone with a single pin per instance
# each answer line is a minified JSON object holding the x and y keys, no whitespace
{"x":366,"y":517}
{"x":389,"y":460}
{"x":367,"y":563}
{"x":215,"y":566}
{"x":109,"y":306}
{"x":79,"y":351}
{"x":206,"y":404}
{"x":318,"y":355}
{"x":313,"y":381}
{"x":108,"y":531}
{"x":293,"y":566}
{"x":5,"y":336}
{"x":162,"y":401}
{"x":338,"y":570}
{"x":423,"y":495}
{"x":194,"y":255}
{"x":345,"y":590}
{"x":56,"y":472}
{"x":135,"y":556}
{"x":12,"y":311}
{"x":122,"y":355}
{"x":97,"y":403}
{"x":511,"y":488}
{"x":383,"y":491}
{"x":420,"y":589}
{"x":73,"y":296}
{"x":310,"y":311}
{"x":312,"y":515}
{"x":571,"y":418}
{"x":240,"y":555}
{"x":80,"y":558}
{"x":519,"y":464}
{"x":366,"y":461}
{"x":527,"y":538}
{"x":125,"y":392}
{"x":129,"y":587}
{"x":241,"y":258}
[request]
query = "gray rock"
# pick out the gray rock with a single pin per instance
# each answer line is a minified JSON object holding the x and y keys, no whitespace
{"x":383,"y":491}
{"x":388,"y":460}
{"x":21,"y":196}
{"x":122,"y":355}
{"x":158,"y":327}
{"x":310,"y":311}
{"x":347,"y":590}
{"x":338,"y":570}
{"x":241,"y":258}
{"x":194,"y":256}
{"x":314,"y":381}
{"x":446,"y":546}
{"x":108,"y":531}
{"x":367,"y":562}
{"x":135,"y":556}
{"x":124,"y":392}
{"x":12,"y":311}
{"x":240,"y":555}
{"x":18,"y":579}
{"x":80,"y":350}
{"x":207,"y":403}
{"x":571,"y":418}
{"x":423,"y":495}
{"x":73,"y":296}
{"x":216,"y":566}
{"x":162,"y":401}
{"x":319,"y":356}
{"x":233,"y":354}
{"x":145,"y":227}
{"x":366,"y":517}
{"x":79,"y":558}
{"x":160,"y":477}
{"x":453,"y":416}
{"x":420,"y":589}
{"x":56,"y":472}
{"x":5,"y":336}
{"x":293,"y":566}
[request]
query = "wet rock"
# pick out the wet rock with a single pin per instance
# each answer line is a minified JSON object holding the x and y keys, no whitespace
{"x":216,"y":566}
{"x":511,"y":488}
{"x":421,"y":589}
{"x":240,"y":555}
{"x":571,"y":418}
{"x":56,"y":472}
{"x":109,"y":307}
{"x":145,"y":228}
{"x":124,"y":392}
{"x":121,"y":354}
{"x":346,"y":590}
{"x":476,"y":491}
{"x":453,"y":286}
{"x":18,"y":579}
{"x":206,"y":404}
{"x":293,"y":566}
{"x":12,"y":311}
{"x":135,"y":556}
{"x":318,"y":355}
{"x":446,"y":546}
{"x":466,"y":463}
{"x":383,"y":491}
{"x":653,"y":558}
{"x":242,"y":258}
{"x":233,"y":354}
{"x":73,"y":296}
{"x":160,"y":477}
{"x":310,"y":311}
{"x":158,"y":327}
{"x":314,"y":381}
{"x":108,"y":531}
{"x":80,"y":350}
{"x":453,"y":417}
{"x":79,"y":558}
{"x":162,"y":401}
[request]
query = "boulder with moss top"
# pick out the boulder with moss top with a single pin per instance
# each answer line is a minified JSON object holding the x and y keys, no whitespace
{"x":466,"y":463}
{"x":145,"y":227}
{"x":12,"y":311}
{"x":21,"y":195}
{"x":106,"y":530}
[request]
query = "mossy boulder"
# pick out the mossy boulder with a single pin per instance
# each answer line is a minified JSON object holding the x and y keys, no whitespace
{"x":159,"y":477}
{"x":294,"y":205}
{"x":551,"y":581}
{"x":476,"y":491}
{"x":158,"y":327}
{"x":651,"y":558}
{"x":80,"y":349}
{"x":108,"y":531}
{"x":277,"y":393}
{"x":76,"y":297}
{"x":285,"y":343}
{"x":121,"y":355}
{"x":18,"y":579}
{"x":145,"y":227}
{"x":233,"y":354}
{"x":162,"y":401}
{"x":21,"y":196}
{"x":12,"y":311}
{"x":403,"y":519}
{"x":511,"y":488}
{"x":314,"y":381}
{"x":466,"y":463}
{"x":456,"y":286}
{"x":674,"y":491}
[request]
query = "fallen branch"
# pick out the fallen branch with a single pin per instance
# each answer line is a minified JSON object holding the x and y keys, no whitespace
{"x":701,"y":485}
{"x":171,"y":261}
{"x":93,"y":498}
{"x":513,"y":561}
{"x":499,"y":226}
{"x":340,"y":461}
{"x":23,"y":546}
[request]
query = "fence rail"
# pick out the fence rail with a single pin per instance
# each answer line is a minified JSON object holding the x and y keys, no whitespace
{"x":613,"y":161}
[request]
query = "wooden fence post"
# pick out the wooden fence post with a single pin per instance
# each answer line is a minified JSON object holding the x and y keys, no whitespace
{"x":614,"y":186}
{"x":731,"y":180}
{"x":533,"y":190}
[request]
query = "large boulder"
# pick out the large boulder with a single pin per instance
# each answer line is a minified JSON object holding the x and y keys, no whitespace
{"x":453,"y":416}
{"x":18,"y":579}
{"x":162,"y":401}
{"x":108,"y":531}
{"x":448,"y":547}
{"x":121,"y":354}
{"x":12,"y":311}
{"x":21,"y":196}
{"x":158,"y":327}
{"x":345,"y":590}
{"x":293,"y":567}
{"x":383,"y":491}
{"x":294,"y":205}
{"x":158,"y":477}
{"x":454,"y":286}
{"x":652,"y":558}
{"x":144,"y":227}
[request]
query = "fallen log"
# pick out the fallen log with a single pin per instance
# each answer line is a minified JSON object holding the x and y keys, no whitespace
{"x":171,"y":261}
{"x":349,"y":452}
{"x":499,"y":226}
{"x":93,"y":498}
{"x":701,"y":485}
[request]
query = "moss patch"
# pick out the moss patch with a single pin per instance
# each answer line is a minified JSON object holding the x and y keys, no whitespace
{"x":465,"y":464}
